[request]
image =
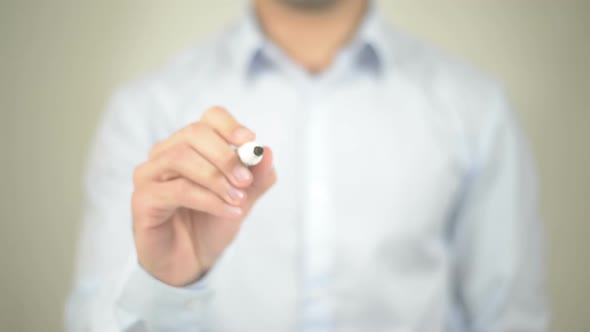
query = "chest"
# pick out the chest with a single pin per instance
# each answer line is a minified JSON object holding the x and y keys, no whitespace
{"x":371,"y":166}
{"x":376,"y":157}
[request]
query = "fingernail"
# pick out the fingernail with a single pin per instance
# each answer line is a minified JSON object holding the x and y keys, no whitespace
{"x":233,"y":210}
{"x":242,"y":135}
{"x":235,"y":194}
{"x":242,"y":174}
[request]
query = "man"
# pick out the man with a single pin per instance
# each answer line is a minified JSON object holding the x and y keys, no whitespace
{"x":406,"y":199}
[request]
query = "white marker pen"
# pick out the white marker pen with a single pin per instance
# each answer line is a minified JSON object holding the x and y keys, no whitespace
{"x":250,"y":153}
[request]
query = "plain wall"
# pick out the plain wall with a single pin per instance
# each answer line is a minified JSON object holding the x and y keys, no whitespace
{"x":60,"y":60}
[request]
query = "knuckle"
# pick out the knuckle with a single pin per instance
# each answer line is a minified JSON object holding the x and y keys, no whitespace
{"x":174,"y":157}
{"x":148,"y":204}
{"x":196,"y":126}
{"x":181,"y":187}
{"x":138,"y":174}
{"x":196,"y":131}
{"x":180,"y":152}
{"x":139,"y":202}
{"x":166,"y":161}
{"x":214,"y":112}
{"x":155,"y":149}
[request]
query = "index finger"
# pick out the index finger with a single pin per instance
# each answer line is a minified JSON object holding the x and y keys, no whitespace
{"x":220,"y":120}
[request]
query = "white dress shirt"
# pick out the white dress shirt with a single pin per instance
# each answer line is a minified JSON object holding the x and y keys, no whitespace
{"x":406,"y":197}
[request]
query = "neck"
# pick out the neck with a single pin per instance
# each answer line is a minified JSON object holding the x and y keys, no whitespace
{"x":310,"y":37}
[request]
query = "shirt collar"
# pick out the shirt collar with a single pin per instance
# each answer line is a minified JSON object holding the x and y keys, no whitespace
{"x":248,"y":49}
{"x":370,"y":42}
{"x":249,"y":42}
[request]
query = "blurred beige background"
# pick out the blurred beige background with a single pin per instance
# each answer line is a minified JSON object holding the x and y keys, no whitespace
{"x":60,"y":60}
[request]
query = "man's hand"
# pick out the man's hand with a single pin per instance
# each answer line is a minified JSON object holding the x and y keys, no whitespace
{"x":191,"y":196}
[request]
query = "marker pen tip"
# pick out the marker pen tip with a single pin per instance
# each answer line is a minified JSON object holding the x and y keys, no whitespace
{"x":258,"y":151}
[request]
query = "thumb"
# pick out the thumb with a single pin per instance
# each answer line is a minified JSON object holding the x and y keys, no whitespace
{"x":264,"y":176}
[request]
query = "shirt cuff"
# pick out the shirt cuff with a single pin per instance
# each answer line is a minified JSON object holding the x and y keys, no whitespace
{"x":157,"y":304}
{"x":200,"y":284}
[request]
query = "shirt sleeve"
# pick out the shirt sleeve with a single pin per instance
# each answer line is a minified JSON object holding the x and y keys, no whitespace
{"x":498,"y":237}
{"x":111,"y":291}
